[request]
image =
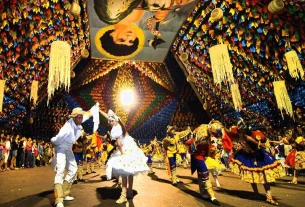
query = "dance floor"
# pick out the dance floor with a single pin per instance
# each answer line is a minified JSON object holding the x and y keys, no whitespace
{"x":34,"y":187}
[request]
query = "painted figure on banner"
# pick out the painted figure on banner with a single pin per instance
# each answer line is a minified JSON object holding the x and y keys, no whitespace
{"x":123,"y":38}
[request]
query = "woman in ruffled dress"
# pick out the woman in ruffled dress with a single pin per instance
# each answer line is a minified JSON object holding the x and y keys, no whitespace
{"x":253,"y":162}
{"x":158,"y":156}
{"x":128,"y":159}
{"x":296,"y":158}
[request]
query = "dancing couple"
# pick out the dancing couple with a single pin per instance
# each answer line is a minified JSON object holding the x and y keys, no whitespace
{"x":128,"y":160}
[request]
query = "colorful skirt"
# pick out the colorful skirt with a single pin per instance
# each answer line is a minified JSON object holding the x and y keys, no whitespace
{"x":178,"y":159}
{"x":299,"y":160}
{"x":296,"y":159}
{"x":132,"y":162}
{"x":158,"y":158}
{"x":256,"y":167}
{"x":214,"y":164}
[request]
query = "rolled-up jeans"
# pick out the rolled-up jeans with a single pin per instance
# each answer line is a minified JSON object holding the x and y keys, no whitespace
{"x":64,"y":160}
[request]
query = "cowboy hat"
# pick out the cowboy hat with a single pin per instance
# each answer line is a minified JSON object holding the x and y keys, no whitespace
{"x":170,"y":128}
{"x":76,"y":111}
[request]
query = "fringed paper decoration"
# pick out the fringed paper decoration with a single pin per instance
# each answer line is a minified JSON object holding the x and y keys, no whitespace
{"x":294,"y":65}
{"x":221,"y":64}
{"x":2,"y":84}
{"x":275,"y":6}
{"x":282,"y":98}
{"x":236,"y":97}
{"x":34,"y":91}
{"x":59,"y":68}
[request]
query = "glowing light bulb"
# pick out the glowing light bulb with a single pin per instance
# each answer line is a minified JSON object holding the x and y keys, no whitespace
{"x":127,"y":97}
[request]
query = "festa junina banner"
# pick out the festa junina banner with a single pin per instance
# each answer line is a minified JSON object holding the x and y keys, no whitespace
{"x":135,"y":29}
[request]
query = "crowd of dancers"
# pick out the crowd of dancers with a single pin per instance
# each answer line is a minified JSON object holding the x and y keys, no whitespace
{"x":242,"y":150}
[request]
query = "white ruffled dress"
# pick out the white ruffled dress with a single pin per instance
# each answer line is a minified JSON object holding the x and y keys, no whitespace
{"x":132,"y":162}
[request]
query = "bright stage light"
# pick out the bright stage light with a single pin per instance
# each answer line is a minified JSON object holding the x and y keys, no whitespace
{"x":127,"y":97}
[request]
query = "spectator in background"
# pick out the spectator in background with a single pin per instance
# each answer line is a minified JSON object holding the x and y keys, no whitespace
{"x":14,"y":148}
{"x":28,"y":154}
{"x":47,"y":154}
{"x":21,"y":153}
{"x":34,"y":152}
{"x":40,"y":153}
{"x":2,"y":145}
{"x":7,"y":149}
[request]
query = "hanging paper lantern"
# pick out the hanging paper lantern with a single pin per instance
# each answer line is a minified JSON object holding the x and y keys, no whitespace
{"x":282,"y":98}
{"x":236,"y":97}
{"x":184,"y":57}
{"x":275,"y":6}
{"x":34,"y":91}
{"x":294,"y":64}
{"x":221,"y":64}
{"x":59,"y":70}
{"x":75,"y":8}
{"x":2,"y":84}
{"x":216,"y":14}
{"x":85,"y":53}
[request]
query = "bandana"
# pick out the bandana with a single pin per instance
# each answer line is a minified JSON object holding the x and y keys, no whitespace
{"x":112,"y":115}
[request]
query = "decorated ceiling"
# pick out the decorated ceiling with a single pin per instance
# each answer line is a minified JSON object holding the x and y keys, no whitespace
{"x":257,"y":41}
{"x":135,"y":29}
{"x":163,"y":96}
{"x":27,"y":29}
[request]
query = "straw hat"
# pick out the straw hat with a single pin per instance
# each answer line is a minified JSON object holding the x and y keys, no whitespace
{"x":170,"y":128}
{"x":76,"y":111}
{"x":299,"y":140}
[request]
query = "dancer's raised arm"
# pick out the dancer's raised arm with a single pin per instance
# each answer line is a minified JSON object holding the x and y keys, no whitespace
{"x":104,"y":114}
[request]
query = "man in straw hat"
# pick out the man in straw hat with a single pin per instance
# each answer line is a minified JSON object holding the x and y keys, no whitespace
{"x":170,"y":145}
{"x":64,"y":158}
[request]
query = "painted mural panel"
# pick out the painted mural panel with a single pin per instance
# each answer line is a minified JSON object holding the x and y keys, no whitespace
{"x":135,"y":29}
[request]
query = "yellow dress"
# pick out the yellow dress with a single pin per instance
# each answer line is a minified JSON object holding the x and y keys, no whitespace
{"x":158,"y":156}
{"x":104,"y":156}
